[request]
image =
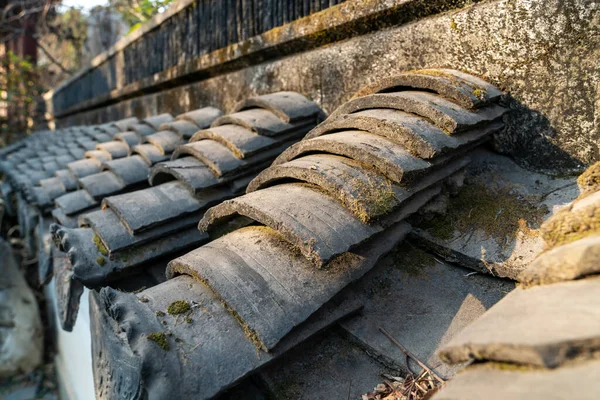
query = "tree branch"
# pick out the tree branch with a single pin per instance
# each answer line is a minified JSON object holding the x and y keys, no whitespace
{"x":50,"y":56}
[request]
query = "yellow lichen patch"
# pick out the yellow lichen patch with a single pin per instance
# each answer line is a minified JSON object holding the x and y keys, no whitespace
{"x":567,"y":226}
{"x":100,"y":261}
{"x":589,"y":181}
{"x":100,"y":246}
{"x":160,"y":339}
{"x":497,"y":212}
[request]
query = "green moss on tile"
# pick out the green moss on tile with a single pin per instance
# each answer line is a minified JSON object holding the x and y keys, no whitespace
{"x":589,"y":180}
{"x":179,"y":307}
{"x":372,"y":199}
{"x":497,"y":213}
{"x":160,"y":339}
{"x":100,"y":246}
{"x":567,"y":226}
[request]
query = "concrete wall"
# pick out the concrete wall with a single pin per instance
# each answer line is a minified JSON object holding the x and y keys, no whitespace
{"x":543,"y":53}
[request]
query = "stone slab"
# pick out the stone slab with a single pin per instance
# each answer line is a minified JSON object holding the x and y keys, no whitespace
{"x":542,"y":326}
{"x":578,"y":381}
{"x":571,"y":261}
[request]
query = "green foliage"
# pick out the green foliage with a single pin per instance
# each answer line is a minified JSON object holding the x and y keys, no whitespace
{"x":136,"y":12}
{"x":19,"y":88}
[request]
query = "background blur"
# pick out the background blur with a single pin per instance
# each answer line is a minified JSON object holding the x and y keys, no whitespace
{"x":43,"y":42}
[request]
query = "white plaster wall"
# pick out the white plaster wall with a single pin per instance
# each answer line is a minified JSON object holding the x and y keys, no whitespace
{"x":74,"y":351}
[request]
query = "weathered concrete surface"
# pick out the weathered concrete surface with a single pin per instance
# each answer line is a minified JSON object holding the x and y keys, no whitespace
{"x":423,"y":303}
{"x":492,"y":224}
{"x":579,"y":381}
{"x":543,"y":53}
{"x":21,"y":335}
{"x":545,"y":326}
{"x":326,"y":367}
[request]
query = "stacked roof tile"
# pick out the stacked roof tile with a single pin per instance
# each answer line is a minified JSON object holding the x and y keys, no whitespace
{"x":317,"y":220}
{"x":134,"y":228}
{"x":111,"y":166}
{"x":542,"y":340}
{"x":39,"y":158}
{"x":127,"y":161}
{"x":122,"y":141}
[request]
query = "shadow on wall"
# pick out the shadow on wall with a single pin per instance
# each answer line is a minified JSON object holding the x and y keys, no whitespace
{"x":530,"y":132}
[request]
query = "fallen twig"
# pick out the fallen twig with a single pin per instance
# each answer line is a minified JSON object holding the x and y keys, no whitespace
{"x":409,"y":354}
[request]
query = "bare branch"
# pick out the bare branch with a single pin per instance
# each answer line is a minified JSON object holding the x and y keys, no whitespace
{"x":50,"y":56}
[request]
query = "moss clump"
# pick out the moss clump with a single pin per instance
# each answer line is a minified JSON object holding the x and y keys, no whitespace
{"x":100,"y":246}
{"x":179,"y":307}
{"x":496,"y":212}
{"x":100,"y":261}
{"x":589,"y":181}
{"x":188,"y":320}
{"x":567,"y":226}
{"x":374,"y":198}
{"x":160,"y":339}
{"x":479,"y":93}
{"x":160,"y":314}
{"x":454,"y":25}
